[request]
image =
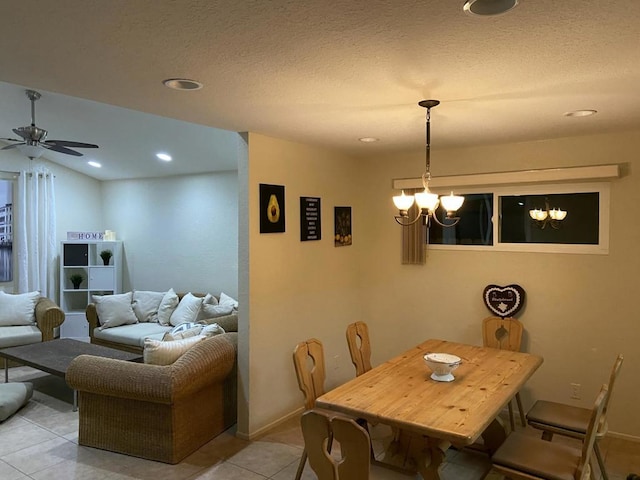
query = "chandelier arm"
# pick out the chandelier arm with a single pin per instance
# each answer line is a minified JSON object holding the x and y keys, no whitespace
{"x":407,"y":224}
{"x":445,"y":225}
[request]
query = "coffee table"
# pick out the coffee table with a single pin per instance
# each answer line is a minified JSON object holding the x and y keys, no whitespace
{"x":55,"y":356}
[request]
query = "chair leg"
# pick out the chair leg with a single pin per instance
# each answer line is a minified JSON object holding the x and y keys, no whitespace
{"x":603,"y":470}
{"x":523,"y":420}
{"x":548,"y":436}
{"x":303,"y":461}
{"x":511,"y":418}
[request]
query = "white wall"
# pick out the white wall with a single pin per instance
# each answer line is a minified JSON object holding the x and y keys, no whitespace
{"x":78,"y":197}
{"x":581,"y":310}
{"x":178,"y":232}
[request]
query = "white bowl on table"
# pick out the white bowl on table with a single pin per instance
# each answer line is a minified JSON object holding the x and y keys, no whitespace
{"x":442,"y":364}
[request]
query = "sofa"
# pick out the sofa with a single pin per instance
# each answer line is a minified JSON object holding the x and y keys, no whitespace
{"x":28,"y":318}
{"x":162,"y":413}
{"x":130,"y":337}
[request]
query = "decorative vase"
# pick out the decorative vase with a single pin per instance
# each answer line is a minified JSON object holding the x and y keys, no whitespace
{"x":106,"y":261}
{"x":76,"y":286}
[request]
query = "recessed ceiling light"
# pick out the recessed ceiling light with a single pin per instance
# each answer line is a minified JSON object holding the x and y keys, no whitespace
{"x":488,"y":8}
{"x":369,"y":139}
{"x":94,"y":164}
{"x":580,"y":113}
{"x":164,"y":156}
{"x":182,"y":84}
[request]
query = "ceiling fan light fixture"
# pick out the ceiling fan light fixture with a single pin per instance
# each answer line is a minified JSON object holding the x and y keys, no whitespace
{"x":31,"y":151}
{"x":488,"y":8}
{"x":182,"y":84}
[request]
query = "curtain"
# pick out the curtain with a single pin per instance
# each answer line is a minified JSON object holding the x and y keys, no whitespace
{"x":414,"y":243}
{"x":36,"y":232}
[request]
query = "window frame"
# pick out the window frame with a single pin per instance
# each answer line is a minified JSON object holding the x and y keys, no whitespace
{"x":602,"y":248}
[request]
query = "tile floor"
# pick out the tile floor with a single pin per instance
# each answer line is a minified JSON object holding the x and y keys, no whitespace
{"x":40,"y":443}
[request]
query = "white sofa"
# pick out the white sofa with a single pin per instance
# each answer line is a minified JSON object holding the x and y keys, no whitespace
{"x":131,"y":336}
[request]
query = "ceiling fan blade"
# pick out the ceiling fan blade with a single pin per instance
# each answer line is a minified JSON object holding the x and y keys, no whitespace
{"x":12,"y":146}
{"x":66,"y":143}
{"x":60,"y":149}
{"x":11,"y":140}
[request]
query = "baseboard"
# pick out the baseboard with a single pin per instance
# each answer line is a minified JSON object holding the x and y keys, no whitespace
{"x":623,"y":436}
{"x":261,"y":431}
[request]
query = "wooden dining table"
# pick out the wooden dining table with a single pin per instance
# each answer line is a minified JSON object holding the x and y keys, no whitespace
{"x":429,"y":416}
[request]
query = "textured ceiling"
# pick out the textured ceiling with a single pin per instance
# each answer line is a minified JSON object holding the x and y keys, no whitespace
{"x":329,"y":72}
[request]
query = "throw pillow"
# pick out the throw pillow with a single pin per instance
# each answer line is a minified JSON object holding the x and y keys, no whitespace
{"x":165,"y":353}
{"x":146,"y":304}
{"x":187,"y":310}
{"x":227,"y":300}
{"x":184,"y":330}
{"x":18,"y":309}
{"x":115,"y":310}
{"x":167,"y":306}
{"x":13,"y":396}
{"x":207,"y":309}
{"x":212,"y":330}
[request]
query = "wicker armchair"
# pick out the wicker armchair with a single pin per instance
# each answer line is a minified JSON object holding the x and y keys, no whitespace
{"x":161,"y":413}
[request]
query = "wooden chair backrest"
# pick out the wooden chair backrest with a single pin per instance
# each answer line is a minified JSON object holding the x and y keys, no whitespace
{"x":602,"y":426}
{"x":308,"y":360}
{"x":590,"y":437}
{"x":359,"y":346}
{"x":317,"y":428}
{"x":502,"y":333}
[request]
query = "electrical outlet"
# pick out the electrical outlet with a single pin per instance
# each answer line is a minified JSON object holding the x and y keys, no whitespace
{"x":575,"y":390}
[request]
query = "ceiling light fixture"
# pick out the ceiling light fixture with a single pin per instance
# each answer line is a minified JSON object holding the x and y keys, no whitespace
{"x":94,"y":164}
{"x":580,"y":113}
{"x":551,"y":217}
{"x":487,"y":8}
{"x":182,"y":84}
{"x":427,"y":201}
{"x":368,"y":139}
{"x":164,"y":156}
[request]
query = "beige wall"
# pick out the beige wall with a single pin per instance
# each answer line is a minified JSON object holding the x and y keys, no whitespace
{"x":297,"y":290}
{"x":581,"y":310}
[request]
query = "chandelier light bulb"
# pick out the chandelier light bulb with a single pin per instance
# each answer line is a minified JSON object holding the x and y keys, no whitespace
{"x":538,"y":214}
{"x":403,"y":202}
{"x":557,"y":214}
{"x":451,"y":203}
{"x":427,"y":200}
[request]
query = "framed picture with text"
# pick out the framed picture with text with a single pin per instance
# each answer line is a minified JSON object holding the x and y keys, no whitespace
{"x":310,"y":226}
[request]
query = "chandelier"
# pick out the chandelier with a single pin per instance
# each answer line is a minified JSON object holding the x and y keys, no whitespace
{"x":426,"y":200}
{"x":551,"y":217}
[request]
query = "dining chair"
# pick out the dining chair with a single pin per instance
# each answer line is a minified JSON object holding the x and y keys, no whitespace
{"x":573,"y":421}
{"x":524,"y":457}
{"x":308,"y":361}
{"x":359,"y":346}
{"x":505,"y":334}
{"x":318,"y":428}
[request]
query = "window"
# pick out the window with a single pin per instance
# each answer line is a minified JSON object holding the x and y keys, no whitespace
{"x":585,"y":229}
{"x":6,"y":227}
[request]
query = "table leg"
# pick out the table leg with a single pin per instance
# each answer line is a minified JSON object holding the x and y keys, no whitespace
{"x":75,"y":400}
{"x":6,"y":370}
{"x":414,"y":452}
{"x":494,"y":435}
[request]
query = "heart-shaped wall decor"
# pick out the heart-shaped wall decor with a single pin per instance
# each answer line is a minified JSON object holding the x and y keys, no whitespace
{"x":503,"y":301}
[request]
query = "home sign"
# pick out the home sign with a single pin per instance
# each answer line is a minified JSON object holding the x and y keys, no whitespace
{"x":84,"y":236}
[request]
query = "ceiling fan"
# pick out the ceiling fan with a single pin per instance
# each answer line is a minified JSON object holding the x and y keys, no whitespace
{"x":34,"y":143}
